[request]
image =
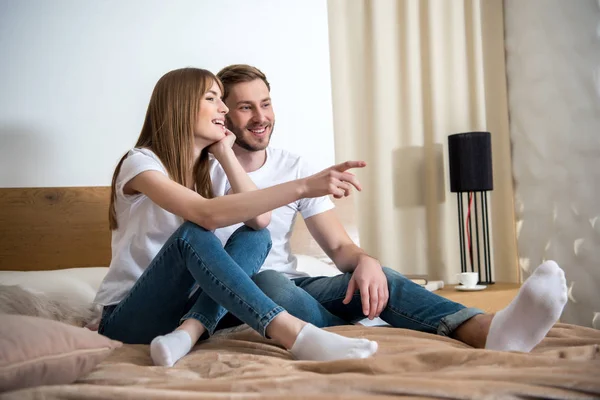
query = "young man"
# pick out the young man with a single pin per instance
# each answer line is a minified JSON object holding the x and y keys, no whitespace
{"x":365,"y":288}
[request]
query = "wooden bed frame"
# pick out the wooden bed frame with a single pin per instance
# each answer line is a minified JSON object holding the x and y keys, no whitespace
{"x":56,"y":228}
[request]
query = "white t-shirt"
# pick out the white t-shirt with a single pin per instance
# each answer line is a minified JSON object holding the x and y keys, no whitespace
{"x":144,"y":227}
{"x":280,"y":166}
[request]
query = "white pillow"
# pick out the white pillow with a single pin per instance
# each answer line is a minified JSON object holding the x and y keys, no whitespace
{"x":79,"y":284}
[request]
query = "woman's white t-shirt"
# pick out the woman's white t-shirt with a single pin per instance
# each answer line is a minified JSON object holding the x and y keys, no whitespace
{"x":144,"y":227}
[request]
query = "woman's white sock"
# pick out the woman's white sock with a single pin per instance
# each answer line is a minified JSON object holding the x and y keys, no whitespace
{"x":168,"y":349}
{"x":529,"y":317}
{"x":316,"y":344}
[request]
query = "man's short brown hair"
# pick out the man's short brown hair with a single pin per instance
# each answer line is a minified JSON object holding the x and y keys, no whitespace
{"x":239,"y":73}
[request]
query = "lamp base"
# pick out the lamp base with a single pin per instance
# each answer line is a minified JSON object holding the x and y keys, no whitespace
{"x":475,"y":253}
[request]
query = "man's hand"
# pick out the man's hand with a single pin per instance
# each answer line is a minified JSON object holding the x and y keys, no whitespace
{"x":369,"y":279}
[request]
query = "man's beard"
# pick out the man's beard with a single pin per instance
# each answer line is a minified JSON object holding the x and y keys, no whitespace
{"x":243,"y":143}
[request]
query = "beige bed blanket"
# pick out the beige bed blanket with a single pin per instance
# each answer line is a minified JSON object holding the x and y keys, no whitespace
{"x":240,"y":364}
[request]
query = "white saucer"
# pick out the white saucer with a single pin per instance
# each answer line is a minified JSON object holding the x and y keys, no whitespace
{"x":470,"y":289}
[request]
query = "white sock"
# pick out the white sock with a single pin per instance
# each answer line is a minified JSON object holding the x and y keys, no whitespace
{"x":529,"y":317}
{"x":167,"y":350}
{"x":316,"y":344}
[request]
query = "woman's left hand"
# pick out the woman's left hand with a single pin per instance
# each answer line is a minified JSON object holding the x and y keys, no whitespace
{"x":219,"y":148}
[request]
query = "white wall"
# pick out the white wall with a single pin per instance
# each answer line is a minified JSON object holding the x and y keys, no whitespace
{"x":76,"y":76}
{"x":553,"y":68}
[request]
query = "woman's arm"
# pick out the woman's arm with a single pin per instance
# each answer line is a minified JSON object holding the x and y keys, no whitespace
{"x":237,"y":176}
{"x":228,"y":210}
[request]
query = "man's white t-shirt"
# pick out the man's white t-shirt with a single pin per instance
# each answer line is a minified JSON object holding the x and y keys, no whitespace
{"x":144,"y":227}
{"x":279,"y":167}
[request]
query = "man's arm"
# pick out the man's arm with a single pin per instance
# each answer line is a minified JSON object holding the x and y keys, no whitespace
{"x":367,"y":275}
{"x":329,"y":233}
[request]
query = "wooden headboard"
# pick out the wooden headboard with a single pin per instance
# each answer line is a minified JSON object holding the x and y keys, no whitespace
{"x":54,"y":228}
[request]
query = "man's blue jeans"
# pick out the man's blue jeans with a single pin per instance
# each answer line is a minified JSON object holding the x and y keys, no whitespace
{"x":164,"y":295}
{"x":318,"y":300}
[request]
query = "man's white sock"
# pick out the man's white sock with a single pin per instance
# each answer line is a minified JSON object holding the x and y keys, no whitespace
{"x":167,"y":350}
{"x":316,"y":344}
{"x":529,"y":317}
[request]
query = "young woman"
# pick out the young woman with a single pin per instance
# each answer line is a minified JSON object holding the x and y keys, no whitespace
{"x":170,"y":280}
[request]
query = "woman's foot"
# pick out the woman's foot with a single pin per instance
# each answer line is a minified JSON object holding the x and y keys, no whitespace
{"x":168,"y":349}
{"x":307,"y":342}
{"x":316,"y":344}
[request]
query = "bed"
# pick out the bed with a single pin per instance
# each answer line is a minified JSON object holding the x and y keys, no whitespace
{"x":57,"y":228}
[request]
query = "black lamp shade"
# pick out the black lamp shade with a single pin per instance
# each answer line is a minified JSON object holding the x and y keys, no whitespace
{"x":470,"y":161}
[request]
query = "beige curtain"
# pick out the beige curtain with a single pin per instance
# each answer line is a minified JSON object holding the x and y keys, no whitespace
{"x":405,"y":75}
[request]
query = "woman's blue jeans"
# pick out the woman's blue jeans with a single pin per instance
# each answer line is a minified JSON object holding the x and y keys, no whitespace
{"x":194,"y":276}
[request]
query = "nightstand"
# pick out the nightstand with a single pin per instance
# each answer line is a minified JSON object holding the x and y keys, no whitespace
{"x":491,"y":299}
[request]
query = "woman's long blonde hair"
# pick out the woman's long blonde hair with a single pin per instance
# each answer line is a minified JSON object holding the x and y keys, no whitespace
{"x":169,"y":130}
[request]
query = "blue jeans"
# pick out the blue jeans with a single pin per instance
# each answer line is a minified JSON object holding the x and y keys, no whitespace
{"x":164,"y":295}
{"x":318,"y":300}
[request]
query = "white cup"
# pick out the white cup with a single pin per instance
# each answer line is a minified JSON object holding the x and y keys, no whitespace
{"x":468,"y":279}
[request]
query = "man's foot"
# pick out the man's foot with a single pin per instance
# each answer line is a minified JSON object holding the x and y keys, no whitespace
{"x":167,"y":350}
{"x":529,"y":317}
{"x":316,"y":344}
